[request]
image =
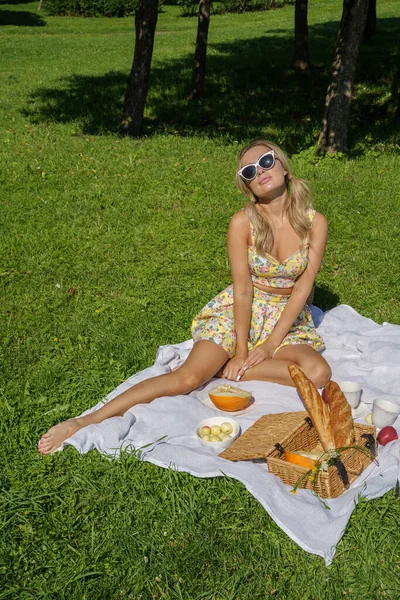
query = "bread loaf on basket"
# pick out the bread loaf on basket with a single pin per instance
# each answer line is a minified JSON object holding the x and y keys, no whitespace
{"x":341,"y":416}
{"x":333,"y":421}
{"x":315,"y":406}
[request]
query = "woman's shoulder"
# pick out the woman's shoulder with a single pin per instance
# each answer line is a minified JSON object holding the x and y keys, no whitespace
{"x":240,"y":220}
{"x":319,"y":226}
{"x":239,"y":227}
{"x":316,"y":217}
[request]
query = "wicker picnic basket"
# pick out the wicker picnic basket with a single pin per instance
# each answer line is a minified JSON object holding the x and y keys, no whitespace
{"x":271,"y":435}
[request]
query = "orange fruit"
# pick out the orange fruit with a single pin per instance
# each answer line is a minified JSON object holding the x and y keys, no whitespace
{"x":303,"y":459}
{"x":229,"y":398}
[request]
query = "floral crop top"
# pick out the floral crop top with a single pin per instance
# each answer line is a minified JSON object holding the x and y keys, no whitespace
{"x":267,"y":270}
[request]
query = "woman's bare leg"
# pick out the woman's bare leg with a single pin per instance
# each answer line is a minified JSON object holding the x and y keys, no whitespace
{"x":205,"y":359}
{"x":276,"y":369}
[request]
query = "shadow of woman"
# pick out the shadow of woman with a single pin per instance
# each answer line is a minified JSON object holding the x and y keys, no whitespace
{"x":324,"y":298}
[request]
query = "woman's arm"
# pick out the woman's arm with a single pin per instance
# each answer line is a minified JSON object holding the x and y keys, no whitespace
{"x":238,"y":233}
{"x":304,"y":284}
{"x":299,"y":295}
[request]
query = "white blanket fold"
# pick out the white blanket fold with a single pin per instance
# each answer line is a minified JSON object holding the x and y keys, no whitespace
{"x":163,"y":432}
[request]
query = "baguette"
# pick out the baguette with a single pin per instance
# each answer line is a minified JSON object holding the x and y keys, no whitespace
{"x":341,"y":416}
{"x":315,"y":406}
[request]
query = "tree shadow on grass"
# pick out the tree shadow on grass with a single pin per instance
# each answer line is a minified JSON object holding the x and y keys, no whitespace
{"x":16,"y":2}
{"x":251,"y":89}
{"x":93,"y":103}
{"x":21,"y":18}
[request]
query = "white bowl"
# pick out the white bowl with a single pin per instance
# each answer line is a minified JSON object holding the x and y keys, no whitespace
{"x":352,"y":391}
{"x":218,"y":446}
{"x":384,"y":412}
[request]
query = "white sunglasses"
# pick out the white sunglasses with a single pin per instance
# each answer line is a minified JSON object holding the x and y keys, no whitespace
{"x":266,"y":161}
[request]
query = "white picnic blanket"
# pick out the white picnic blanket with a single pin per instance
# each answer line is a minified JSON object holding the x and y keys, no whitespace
{"x":357,"y":349}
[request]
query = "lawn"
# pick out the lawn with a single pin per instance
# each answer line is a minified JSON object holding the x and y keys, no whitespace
{"x":109,"y":246}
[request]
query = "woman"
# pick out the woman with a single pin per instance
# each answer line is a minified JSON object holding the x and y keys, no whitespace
{"x":259,"y":325}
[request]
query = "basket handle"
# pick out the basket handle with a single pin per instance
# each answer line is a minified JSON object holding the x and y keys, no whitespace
{"x":280,"y":449}
{"x":341,"y":469}
{"x":370,"y":443}
{"x":309,"y":423}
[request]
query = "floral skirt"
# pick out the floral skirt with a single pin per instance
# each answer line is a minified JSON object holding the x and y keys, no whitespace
{"x":215,"y":322}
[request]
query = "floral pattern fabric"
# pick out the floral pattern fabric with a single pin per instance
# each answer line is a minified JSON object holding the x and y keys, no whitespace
{"x":215,"y":322}
{"x":267,"y":270}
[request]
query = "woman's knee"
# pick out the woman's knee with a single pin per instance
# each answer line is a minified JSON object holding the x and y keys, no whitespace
{"x":320,"y":373}
{"x":187,"y":381}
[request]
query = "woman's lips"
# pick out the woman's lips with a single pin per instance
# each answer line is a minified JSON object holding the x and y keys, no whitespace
{"x":264,"y":179}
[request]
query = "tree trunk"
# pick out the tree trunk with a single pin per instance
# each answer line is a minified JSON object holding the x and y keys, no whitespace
{"x":394,"y":102}
{"x":138,"y":81}
{"x":335,"y":122}
{"x":370,"y":25}
{"x":301,"y":58}
{"x":200,"y":55}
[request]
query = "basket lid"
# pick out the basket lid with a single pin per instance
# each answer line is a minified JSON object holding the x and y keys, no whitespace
{"x":260,"y":439}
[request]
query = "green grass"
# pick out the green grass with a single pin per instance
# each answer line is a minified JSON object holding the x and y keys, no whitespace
{"x":109,"y":247}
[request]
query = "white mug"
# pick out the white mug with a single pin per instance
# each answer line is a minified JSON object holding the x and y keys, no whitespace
{"x":384,"y":412}
{"x":352,"y":392}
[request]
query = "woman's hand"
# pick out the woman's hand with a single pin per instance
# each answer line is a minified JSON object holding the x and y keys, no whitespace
{"x":260,"y":353}
{"x":234,"y":367}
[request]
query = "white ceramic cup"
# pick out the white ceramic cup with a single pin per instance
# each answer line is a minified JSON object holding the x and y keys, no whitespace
{"x":384,"y":412}
{"x":352,"y":391}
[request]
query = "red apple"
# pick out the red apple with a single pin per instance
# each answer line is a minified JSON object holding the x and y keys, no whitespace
{"x":386,"y":435}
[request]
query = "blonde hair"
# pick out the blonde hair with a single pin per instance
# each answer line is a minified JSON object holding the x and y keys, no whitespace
{"x":298,"y":201}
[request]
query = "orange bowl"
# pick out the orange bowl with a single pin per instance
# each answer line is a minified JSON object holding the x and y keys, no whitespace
{"x":229,"y":398}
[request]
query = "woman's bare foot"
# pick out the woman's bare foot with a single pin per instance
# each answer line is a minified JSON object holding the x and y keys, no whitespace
{"x":57,"y":434}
